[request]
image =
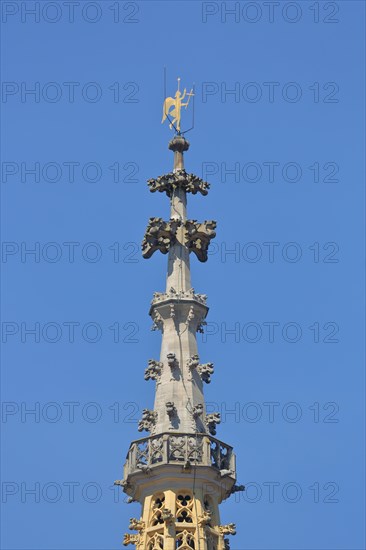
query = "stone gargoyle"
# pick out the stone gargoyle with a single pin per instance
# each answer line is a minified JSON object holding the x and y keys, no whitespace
{"x":130,"y":539}
{"x":205,"y":518}
{"x":136,"y":524}
{"x":229,"y":529}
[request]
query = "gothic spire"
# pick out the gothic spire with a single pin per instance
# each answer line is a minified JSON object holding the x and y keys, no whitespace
{"x":179,"y":472}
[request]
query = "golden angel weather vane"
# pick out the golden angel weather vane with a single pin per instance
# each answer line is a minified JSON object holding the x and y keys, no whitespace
{"x":173,"y":105}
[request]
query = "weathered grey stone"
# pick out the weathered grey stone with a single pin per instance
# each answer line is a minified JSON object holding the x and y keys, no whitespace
{"x":147,"y":421}
{"x":153,"y":371}
{"x":211,"y":421}
{"x":159,"y":235}
{"x":197,"y":410}
{"x":205,"y":371}
{"x":169,"y":183}
{"x":198,"y":236}
{"x":170,"y":409}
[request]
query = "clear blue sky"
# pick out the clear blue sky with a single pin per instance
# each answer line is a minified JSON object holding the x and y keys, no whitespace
{"x":293,"y":291}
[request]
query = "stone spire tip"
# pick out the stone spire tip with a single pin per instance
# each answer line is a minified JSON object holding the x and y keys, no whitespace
{"x":178,"y":144}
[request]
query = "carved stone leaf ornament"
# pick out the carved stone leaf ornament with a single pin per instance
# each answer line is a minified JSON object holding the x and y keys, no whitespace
{"x":211,"y":421}
{"x":153,"y":370}
{"x":147,"y":421}
{"x":159,"y":235}
{"x":169,"y":182}
{"x":205,"y":371}
{"x":198,"y":236}
{"x":229,"y":529}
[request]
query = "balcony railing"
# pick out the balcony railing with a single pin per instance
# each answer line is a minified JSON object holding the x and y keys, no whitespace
{"x":173,"y":448}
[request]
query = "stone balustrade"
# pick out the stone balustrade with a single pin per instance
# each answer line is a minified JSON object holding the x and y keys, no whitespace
{"x":177,"y":448}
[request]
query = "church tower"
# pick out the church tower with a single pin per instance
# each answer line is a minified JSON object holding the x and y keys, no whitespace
{"x":179,"y":472}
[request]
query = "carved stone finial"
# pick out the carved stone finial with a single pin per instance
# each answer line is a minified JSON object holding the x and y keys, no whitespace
{"x":178,"y":143}
{"x":172,"y":360}
{"x":198,"y":237}
{"x":158,"y":321}
{"x":197,"y":410}
{"x":205,"y":372}
{"x":170,"y":409}
{"x":173,"y":363}
{"x":159,"y":235}
{"x":229,"y":529}
{"x":190,"y":315}
{"x":147,"y":421}
{"x":153,"y":371}
{"x":193,"y":362}
{"x":211,"y":421}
